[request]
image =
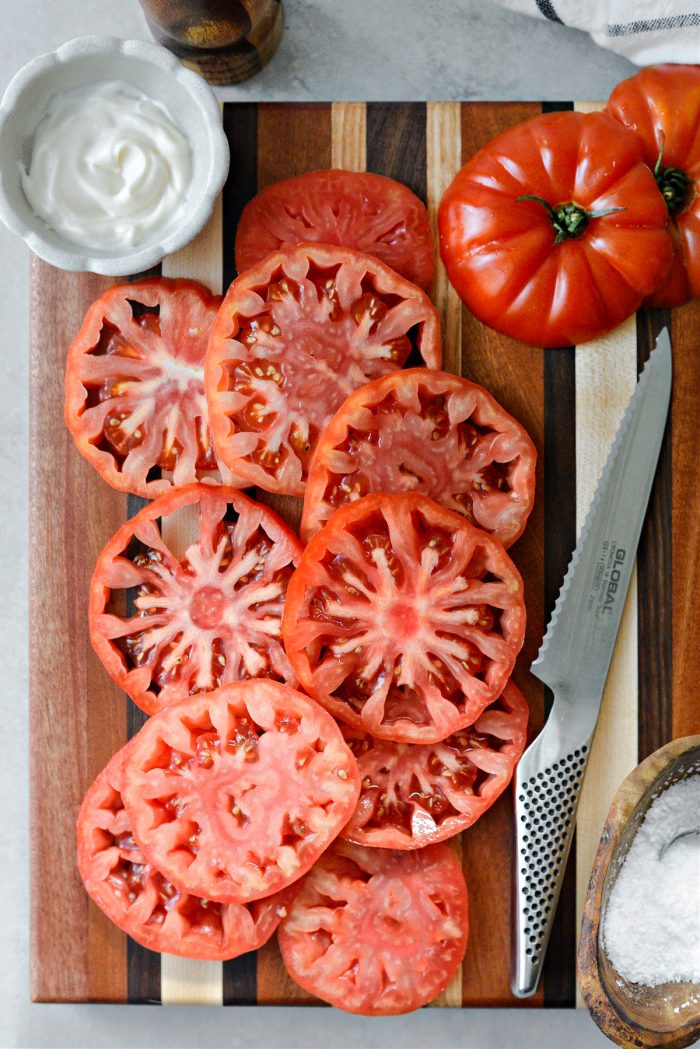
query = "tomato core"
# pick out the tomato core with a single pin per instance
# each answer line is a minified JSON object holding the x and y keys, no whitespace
{"x":403,"y":620}
{"x":207,"y":607}
{"x":570,"y":220}
{"x":676,"y":188}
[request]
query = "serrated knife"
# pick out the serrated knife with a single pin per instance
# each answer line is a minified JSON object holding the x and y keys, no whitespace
{"x":574,"y":660}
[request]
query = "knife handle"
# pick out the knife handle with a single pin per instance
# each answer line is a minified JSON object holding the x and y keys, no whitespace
{"x":547,"y":789}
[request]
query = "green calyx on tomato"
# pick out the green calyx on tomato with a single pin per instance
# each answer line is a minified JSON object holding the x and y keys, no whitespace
{"x":570,"y":220}
{"x":675,"y":185}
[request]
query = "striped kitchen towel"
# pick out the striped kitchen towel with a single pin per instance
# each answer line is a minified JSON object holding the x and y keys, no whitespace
{"x":645,"y":31}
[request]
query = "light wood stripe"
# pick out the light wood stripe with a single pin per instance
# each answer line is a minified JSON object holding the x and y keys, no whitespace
{"x":201,"y":259}
{"x":444,"y":159}
{"x":189,"y":981}
{"x":349,"y":136}
{"x":606,"y":375}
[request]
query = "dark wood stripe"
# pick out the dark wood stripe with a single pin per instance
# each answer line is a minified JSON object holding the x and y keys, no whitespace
{"x":560,"y":539}
{"x":143,"y":969}
{"x":557,"y":107}
{"x":241,"y":128}
{"x":655,"y":578}
{"x":686,"y":520}
{"x":396,"y":148}
{"x":559,"y":542}
{"x":560,"y":474}
{"x":559,"y":966}
{"x":241,"y":980}
{"x":396,"y":144}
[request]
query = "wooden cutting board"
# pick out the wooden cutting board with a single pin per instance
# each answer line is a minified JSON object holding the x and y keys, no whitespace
{"x":571,"y":403}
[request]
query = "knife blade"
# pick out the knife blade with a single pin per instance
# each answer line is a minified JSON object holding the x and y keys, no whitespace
{"x":574,"y":660}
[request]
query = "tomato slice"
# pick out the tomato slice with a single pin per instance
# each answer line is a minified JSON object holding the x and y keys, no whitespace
{"x":166,"y":627}
{"x":403,"y":619}
{"x":142,"y":902}
{"x":377,"y":932}
{"x":429,"y":432}
{"x":295,"y":335}
{"x":661,"y":104}
{"x":352,"y":209}
{"x":135,"y":401}
{"x":414,"y":795}
{"x":235,"y":793}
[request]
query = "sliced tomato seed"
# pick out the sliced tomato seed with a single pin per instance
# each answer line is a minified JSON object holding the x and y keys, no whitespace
{"x":397,"y":808}
{"x":119,"y":435}
{"x":168,"y":672}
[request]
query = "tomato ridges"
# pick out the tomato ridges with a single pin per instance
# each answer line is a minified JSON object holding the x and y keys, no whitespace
{"x":661,"y":105}
{"x":412,"y":795}
{"x":503,"y":255}
{"x":294,"y":337}
{"x":200,"y":620}
{"x":145,"y":904}
{"x":377,"y":932}
{"x":360,"y":210}
{"x":402,"y":618}
{"x":135,"y":396}
{"x":235,"y":793}
{"x":429,"y":432}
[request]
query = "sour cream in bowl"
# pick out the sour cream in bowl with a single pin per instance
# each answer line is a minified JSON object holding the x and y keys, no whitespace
{"x":112,"y":155}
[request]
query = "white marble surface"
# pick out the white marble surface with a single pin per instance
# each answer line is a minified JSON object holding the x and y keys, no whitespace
{"x":357,"y":49}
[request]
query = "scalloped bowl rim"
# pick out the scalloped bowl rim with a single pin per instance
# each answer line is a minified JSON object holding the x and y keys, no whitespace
{"x":72,"y":257}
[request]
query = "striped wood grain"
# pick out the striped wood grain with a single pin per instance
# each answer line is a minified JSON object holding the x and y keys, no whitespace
{"x":77,"y":715}
{"x":606,"y":375}
{"x":684,"y":563}
{"x":190,"y":981}
{"x":349,"y":136}
{"x":443,"y":149}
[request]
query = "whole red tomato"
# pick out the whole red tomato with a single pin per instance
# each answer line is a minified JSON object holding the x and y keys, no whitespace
{"x":662,"y":105}
{"x":554,"y":232}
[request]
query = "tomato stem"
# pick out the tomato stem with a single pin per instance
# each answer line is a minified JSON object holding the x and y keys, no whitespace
{"x":674,"y":184}
{"x":570,"y":220}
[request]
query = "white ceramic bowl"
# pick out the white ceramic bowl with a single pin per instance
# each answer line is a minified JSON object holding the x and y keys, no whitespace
{"x":153,"y":70}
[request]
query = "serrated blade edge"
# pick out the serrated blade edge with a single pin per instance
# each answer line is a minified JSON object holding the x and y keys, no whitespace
{"x":653,"y":389}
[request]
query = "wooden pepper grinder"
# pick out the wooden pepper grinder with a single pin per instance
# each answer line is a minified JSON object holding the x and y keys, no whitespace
{"x":225,"y":40}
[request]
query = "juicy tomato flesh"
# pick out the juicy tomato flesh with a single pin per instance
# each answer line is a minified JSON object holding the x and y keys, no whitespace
{"x":449,"y":758}
{"x":170,"y":625}
{"x":427,"y":432}
{"x":413,"y":795}
{"x":118,"y":429}
{"x":142,"y":902}
{"x":177,"y":657}
{"x":404,"y":639}
{"x":277,"y":393}
{"x":377,"y":932}
{"x":135,"y":397}
{"x":294,"y":337}
{"x":360,"y":210}
{"x":235,"y":794}
{"x":489,"y":477}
